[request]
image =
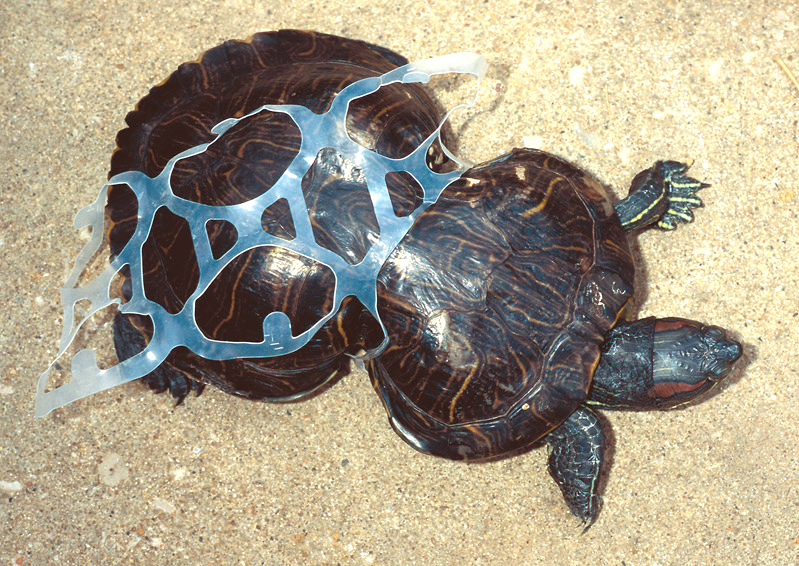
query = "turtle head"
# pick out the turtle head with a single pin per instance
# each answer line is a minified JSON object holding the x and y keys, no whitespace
{"x":689,"y":358}
{"x":658,"y":363}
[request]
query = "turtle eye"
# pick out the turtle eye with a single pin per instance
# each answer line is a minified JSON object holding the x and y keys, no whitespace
{"x":714,"y":333}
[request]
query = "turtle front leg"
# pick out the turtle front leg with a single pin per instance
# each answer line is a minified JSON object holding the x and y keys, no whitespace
{"x":576,"y":454}
{"x":662,"y":196}
{"x":658,"y":363}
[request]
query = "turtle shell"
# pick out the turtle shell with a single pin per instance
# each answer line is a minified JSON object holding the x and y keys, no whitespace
{"x":497,"y":303}
{"x":231,"y":80}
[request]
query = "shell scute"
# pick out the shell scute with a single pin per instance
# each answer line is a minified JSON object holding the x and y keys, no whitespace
{"x":495,"y":302}
{"x":231,"y":80}
{"x":534,"y":340}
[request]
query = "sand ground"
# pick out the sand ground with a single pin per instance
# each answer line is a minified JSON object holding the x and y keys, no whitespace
{"x":125,"y":478}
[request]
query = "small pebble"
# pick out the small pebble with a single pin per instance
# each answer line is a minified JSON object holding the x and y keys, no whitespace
{"x":163,"y":505}
{"x":10,"y":486}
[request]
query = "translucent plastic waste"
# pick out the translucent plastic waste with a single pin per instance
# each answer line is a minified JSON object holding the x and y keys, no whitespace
{"x":318,"y":131}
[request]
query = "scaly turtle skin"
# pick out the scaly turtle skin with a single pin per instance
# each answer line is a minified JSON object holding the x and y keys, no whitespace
{"x":503,"y":304}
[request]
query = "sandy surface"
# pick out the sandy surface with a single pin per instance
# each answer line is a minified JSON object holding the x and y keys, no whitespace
{"x":125,"y":478}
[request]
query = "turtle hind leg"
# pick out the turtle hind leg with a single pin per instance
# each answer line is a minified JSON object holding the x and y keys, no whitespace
{"x":128,"y":342}
{"x":576,"y":455}
{"x":163,"y":379}
{"x":662,"y":196}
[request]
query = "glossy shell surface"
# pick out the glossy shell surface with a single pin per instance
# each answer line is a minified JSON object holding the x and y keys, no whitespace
{"x":496,"y":303}
{"x":231,"y":80}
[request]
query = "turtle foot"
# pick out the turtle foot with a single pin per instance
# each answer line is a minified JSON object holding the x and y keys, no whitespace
{"x":680,"y":194}
{"x":661,"y":196}
{"x":128,"y":342}
{"x":179,"y":386}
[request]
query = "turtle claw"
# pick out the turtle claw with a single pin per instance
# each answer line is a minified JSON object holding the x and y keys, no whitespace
{"x":586,"y":524}
{"x":680,"y":194}
{"x":129,"y":341}
{"x":661,"y":196}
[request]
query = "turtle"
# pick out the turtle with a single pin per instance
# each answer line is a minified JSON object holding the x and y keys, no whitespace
{"x":505,"y":309}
